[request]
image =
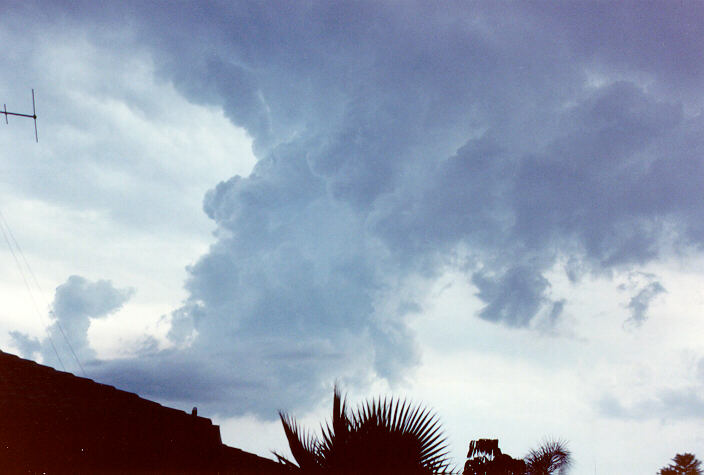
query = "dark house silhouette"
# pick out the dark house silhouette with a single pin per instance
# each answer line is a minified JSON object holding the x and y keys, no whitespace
{"x":55,"y":422}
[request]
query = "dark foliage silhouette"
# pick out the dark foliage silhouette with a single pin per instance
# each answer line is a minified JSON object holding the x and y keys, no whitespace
{"x":382,"y":436}
{"x":684,"y":464}
{"x":485,"y":458}
{"x":551,"y":457}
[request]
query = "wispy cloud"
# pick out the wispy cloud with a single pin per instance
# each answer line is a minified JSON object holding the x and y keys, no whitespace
{"x":639,"y":303}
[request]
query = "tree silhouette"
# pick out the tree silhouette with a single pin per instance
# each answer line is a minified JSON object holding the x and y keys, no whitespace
{"x":685,"y":464}
{"x":485,"y":458}
{"x":382,"y":436}
{"x":551,"y":457}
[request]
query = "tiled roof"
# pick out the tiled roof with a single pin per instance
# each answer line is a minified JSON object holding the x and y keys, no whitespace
{"x":51,"y":421}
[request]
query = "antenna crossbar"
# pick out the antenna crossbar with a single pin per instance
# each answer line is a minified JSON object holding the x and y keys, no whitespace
{"x":20,"y":115}
{"x":17,"y":114}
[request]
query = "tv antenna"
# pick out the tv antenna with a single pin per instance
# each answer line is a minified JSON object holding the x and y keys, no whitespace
{"x":32,"y":116}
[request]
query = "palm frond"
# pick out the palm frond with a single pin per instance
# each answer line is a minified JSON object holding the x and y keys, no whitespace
{"x":304,"y":446}
{"x":332,"y":447}
{"x":284,"y":461}
{"x":381,"y":436}
{"x":412,"y":436}
{"x":552,"y":456}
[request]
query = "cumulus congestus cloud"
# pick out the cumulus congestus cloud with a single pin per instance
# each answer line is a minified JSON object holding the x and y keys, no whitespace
{"x":388,"y":142}
{"x":76,"y":303}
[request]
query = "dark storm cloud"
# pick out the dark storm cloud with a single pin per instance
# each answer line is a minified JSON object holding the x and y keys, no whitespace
{"x":658,"y":38}
{"x":513,"y":298}
{"x":391,"y":135}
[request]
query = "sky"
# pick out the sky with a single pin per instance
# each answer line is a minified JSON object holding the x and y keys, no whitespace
{"x":491,"y":208}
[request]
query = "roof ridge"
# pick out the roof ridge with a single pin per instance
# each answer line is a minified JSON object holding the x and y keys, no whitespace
{"x":97,"y":384}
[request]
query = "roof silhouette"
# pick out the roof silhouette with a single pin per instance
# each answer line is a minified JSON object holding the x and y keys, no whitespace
{"x":55,"y":422}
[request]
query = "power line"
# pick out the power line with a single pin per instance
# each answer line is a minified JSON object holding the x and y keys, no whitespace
{"x":5,"y":226}
{"x":7,"y":231}
{"x":39,"y":288}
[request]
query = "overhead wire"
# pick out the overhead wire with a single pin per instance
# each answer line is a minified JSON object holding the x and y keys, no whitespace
{"x":9,"y":237}
{"x":39,"y":288}
{"x":10,"y":240}
{"x":3,"y":227}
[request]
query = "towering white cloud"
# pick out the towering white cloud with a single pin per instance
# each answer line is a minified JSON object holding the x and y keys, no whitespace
{"x":76,"y":303}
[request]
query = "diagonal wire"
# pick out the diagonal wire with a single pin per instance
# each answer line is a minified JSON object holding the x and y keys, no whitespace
{"x":3,"y":227}
{"x":39,"y":288}
{"x":68,"y":342}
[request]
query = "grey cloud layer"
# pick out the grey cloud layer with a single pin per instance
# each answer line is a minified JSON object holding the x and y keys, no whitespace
{"x":668,"y":404}
{"x":389,"y":137}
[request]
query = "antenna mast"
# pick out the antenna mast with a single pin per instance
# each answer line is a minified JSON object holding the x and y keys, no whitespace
{"x":33,"y":116}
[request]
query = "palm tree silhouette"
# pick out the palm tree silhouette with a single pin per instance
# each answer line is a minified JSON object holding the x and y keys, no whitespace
{"x":551,"y":457}
{"x":382,"y":436}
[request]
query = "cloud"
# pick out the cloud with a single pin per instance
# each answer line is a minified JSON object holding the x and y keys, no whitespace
{"x":123,"y":142}
{"x":639,"y":303}
{"x":615,"y":35}
{"x":78,"y":299}
{"x":361,"y":195}
{"x":513,"y":298}
{"x":27,"y":346}
{"x":686,"y":403}
{"x":392,"y":139}
{"x":76,"y":302}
